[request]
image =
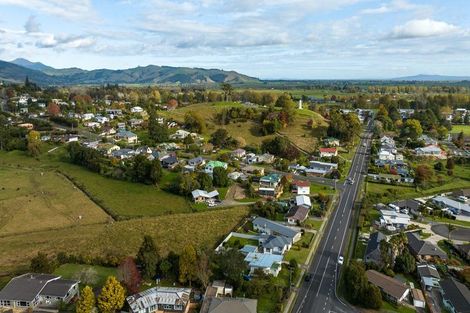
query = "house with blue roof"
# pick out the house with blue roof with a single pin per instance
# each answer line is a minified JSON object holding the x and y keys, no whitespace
{"x":270,"y":264}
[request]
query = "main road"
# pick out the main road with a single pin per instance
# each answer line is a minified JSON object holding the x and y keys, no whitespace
{"x":319,"y":294}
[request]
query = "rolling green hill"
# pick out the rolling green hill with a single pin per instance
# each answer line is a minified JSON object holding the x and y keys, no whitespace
{"x":151,"y":74}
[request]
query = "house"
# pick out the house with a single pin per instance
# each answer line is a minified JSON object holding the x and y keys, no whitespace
{"x":127,"y":136}
{"x":114,"y":112}
{"x":29,"y":291}
{"x":297,"y":214}
{"x":101,"y":119}
{"x":392,"y":289}
{"x":143,"y":150}
{"x":170,"y":161}
{"x":180,"y":134}
{"x":303,"y":201}
{"x":160,"y":299}
{"x":455,"y":206}
{"x":372,"y":254}
{"x":270,"y":264}
{"x":218,"y":299}
{"x":198,"y":161}
{"x":428,"y":141}
{"x":274,"y":244}
{"x":331,"y":142}
{"x":137,"y":109}
{"x":200,"y":196}
{"x":301,"y":187}
{"x":408,"y":205}
{"x":423,"y":250}
{"x":269,"y":227}
{"x":233,"y":305}
{"x":328,"y":152}
{"x":392,"y":218}
{"x":270,"y":185}
{"x":386,"y":155}
{"x":107,"y":131}
{"x":88,"y":116}
{"x":209,"y":168}
{"x":107,"y":148}
{"x":236,"y":176}
{"x":429,"y":276}
{"x":28,"y":126}
{"x":406,"y":113}
{"x":418,"y":298}
{"x":239,"y":153}
{"x":317,"y":168}
{"x":253,"y":170}
{"x":455,"y":296}
{"x":266,"y":158}
{"x":135,"y":122}
{"x":463,"y":250}
{"x":429,"y":151}
{"x":123,"y":154}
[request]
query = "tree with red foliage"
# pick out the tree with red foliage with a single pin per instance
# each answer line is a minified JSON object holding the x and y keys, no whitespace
{"x":53,"y":109}
{"x":172,"y":104}
{"x":129,"y":275}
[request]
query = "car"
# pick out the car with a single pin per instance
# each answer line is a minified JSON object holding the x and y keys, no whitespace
{"x":308,"y":277}
{"x":364,"y":144}
{"x":350,"y":181}
{"x":340,"y":260}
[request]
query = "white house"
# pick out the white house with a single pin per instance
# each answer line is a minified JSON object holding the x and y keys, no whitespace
{"x":301,"y":187}
{"x":328,"y":152}
{"x":127,"y":136}
{"x":137,"y":109}
{"x":429,"y":151}
{"x":88,"y":116}
{"x":393,"y":218}
{"x":160,"y":299}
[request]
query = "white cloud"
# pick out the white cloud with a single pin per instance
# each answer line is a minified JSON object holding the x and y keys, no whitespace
{"x":68,"y":9}
{"x":393,"y":6}
{"x":422,"y":28}
{"x":32,"y":25}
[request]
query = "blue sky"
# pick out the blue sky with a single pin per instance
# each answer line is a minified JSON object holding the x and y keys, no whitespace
{"x":292,"y":39}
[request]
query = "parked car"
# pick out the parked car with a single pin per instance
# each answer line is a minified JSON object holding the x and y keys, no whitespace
{"x":340,"y":260}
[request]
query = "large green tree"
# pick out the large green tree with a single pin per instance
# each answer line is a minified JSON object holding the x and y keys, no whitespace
{"x":148,"y":257}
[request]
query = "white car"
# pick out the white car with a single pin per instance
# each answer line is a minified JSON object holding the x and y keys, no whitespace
{"x":340,"y":260}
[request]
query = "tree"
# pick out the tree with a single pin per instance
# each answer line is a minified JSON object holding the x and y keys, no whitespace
{"x":460,"y":140}
{"x":194,"y":122}
{"x":86,"y":303}
{"x":147,"y":257}
{"x":42,"y":264}
{"x":220,"y":177}
{"x":227,"y":89}
{"x":373,"y":298}
{"x":156,"y":171}
{"x":450,"y":164}
{"x":53,"y":109}
{"x":157,"y":132}
{"x":412,"y":129}
{"x":165,"y":267}
{"x":112,"y":296}
{"x":423,"y":174}
{"x":34,"y":143}
{"x":205,"y":180}
{"x":405,"y":263}
{"x":450,"y":229}
{"x":87,"y":276}
{"x":230,"y":264}
{"x":355,"y":282}
{"x":188,"y":265}
{"x":129,"y":275}
{"x":438,"y":166}
{"x":220,"y":138}
{"x":203,"y":269}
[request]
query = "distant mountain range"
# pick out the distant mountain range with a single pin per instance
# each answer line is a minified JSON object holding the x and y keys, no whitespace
{"x":42,"y":74}
{"x":429,"y":78}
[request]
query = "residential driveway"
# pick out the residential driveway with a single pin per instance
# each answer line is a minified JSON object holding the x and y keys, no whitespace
{"x":435,"y":237}
{"x":460,"y":233}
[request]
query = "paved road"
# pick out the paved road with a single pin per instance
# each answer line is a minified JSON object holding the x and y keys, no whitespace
{"x":459,"y":233}
{"x":319,"y":295}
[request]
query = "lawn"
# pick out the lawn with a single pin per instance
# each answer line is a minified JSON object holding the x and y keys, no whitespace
{"x":449,"y":221}
{"x":461,"y":128}
{"x":313,"y":223}
{"x":389,"y":308}
{"x":34,"y":200}
{"x":360,"y":249}
{"x":299,"y":252}
{"x":240,"y":242}
{"x":171,"y":233}
{"x":316,"y":188}
{"x":72,"y":271}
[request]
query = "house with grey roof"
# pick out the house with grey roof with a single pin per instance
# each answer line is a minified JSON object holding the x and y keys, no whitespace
{"x":455,"y":296}
{"x":198,"y":161}
{"x":423,"y":250}
{"x":269,"y":227}
{"x":455,"y":206}
{"x":233,"y":305}
{"x":372,"y":253}
{"x":160,"y":299}
{"x":203,"y":196}
{"x":274,"y":244}
{"x":428,"y":275}
{"x":37,"y":290}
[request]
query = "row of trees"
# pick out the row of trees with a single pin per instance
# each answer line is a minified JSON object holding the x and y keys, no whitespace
{"x":184,"y":184}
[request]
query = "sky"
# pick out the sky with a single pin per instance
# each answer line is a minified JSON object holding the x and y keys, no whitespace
{"x":268,"y":39}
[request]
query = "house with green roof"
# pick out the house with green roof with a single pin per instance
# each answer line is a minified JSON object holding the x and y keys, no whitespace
{"x":209,"y":168}
{"x":270,"y":185}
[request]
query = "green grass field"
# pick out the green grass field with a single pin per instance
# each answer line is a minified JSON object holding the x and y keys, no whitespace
{"x":297,"y":251}
{"x":35,"y":200}
{"x":122,"y":199}
{"x":461,"y":128}
{"x":72,"y":271}
{"x":170,"y":232}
